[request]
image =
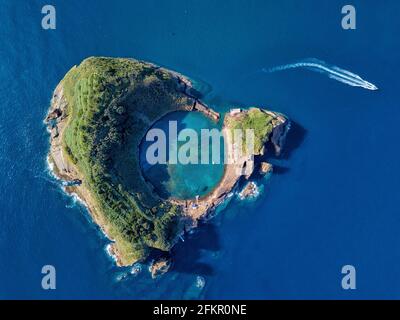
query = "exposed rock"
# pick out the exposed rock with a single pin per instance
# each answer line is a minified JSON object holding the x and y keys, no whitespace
{"x":54,"y":132}
{"x":200,"y":282}
{"x":249,"y":191}
{"x":72,"y":183}
{"x":201,"y":107}
{"x":265,"y":168}
{"x":136,"y":269}
{"x":194,"y":209}
{"x":56,"y":113}
{"x":235,"y":170}
{"x":159,"y":267}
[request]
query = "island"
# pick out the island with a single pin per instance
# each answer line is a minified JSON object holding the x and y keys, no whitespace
{"x":99,"y":114}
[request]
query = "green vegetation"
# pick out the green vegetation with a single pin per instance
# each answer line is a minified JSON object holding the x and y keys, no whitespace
{"x":257,"y":120}
{"x":111,"y":103}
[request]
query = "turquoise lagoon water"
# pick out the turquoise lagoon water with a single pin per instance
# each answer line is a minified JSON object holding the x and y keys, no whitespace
{"x":332,"y":201}
{"x":184,"y":181}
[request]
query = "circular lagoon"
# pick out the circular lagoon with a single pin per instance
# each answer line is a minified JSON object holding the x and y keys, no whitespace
{"x":171,"y":145}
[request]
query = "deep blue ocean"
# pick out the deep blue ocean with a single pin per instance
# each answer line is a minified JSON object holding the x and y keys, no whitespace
{"x":332,"y":201}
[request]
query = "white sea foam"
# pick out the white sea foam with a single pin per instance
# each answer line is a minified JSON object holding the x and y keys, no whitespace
{"x":110,"y":253}
{"x":331,"y":71}
{"x":200,"y":282}
{"x":255,"y":192}
{"x":50,"y":166}
{"x":75,"y":200}
{"x":121,"y":276}
{"x":73,"y":197}
{"x":136,"y":269}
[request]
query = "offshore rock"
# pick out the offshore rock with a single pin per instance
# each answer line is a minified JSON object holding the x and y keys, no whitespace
{"x":159,"y":267}
{"x":265,"y":168}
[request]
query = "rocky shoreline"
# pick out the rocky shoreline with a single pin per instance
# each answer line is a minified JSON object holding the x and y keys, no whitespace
{"x":193,"y":210}
{"x":202,"y":208}
{"x":65,"y":170}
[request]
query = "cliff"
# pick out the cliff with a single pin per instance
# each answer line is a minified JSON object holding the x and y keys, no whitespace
{"x":98,"y":116}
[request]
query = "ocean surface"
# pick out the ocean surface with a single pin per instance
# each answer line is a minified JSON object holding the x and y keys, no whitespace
{"x":184,"y":180}
{"x":333,"y":199}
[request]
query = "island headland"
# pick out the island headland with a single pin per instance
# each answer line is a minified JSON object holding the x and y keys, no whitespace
{"x":99,"y":114}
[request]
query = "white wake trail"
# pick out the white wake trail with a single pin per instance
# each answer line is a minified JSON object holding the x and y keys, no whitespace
{"x":331,"y":71}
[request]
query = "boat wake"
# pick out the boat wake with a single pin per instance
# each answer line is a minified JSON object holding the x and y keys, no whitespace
{"x":331,"y":71}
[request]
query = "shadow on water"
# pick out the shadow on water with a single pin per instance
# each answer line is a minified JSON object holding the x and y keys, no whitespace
{"x":187,"y":255}
{"x":294,"y":139}
{"x":158,"y":175}
{"x":280,"y":169}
